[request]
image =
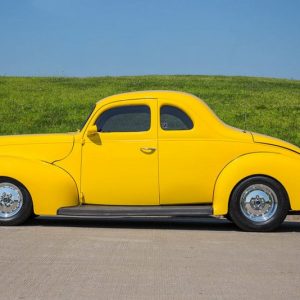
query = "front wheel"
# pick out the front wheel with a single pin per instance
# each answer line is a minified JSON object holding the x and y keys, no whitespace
{"x":258,"y":204}
{"x":15,"y":202}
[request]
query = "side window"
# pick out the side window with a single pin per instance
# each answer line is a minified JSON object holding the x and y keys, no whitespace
{"x":125,"y":119}
{"x":173,"y":118}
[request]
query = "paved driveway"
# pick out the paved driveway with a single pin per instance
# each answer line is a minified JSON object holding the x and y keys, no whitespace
{"x":144,"y":259}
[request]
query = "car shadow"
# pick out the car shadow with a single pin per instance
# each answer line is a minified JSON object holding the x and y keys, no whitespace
{"x":171,"y":223}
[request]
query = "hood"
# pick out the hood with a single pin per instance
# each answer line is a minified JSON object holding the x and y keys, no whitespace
{"x":264,"y":139}
{"x":45,"y":147}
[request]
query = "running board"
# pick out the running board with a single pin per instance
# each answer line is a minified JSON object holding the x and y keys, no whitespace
{"x":136,"y":211}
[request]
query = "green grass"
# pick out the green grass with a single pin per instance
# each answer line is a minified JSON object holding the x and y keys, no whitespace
{"x":53,"y":104}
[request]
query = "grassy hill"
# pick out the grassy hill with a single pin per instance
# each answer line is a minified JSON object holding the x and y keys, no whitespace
{"x":37,"y":105}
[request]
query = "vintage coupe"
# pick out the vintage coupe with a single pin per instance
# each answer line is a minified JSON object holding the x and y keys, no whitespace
{"x":153,"y":153}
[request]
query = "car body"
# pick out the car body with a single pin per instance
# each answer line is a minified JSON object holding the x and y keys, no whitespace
{"x":151,"y":153}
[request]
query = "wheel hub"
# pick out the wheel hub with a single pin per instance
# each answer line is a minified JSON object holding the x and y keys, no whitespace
{"x":6,"y":199}
{"x":11,"y":200}
{"x":258,"y":202}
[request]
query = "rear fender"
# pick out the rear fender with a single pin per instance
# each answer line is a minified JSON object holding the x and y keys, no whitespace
{"x":284,"y":169}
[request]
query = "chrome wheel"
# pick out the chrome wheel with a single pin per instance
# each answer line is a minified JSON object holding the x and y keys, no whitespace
{"x":258,"y":203}
{"x":11,"y":200}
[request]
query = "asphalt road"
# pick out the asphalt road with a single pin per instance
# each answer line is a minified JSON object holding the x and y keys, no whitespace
{"x":144,"y":259}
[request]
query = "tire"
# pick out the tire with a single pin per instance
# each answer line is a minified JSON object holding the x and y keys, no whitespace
{"x":228,"y":217}
{"x":258,"y":203}
{"x":15,"y":202}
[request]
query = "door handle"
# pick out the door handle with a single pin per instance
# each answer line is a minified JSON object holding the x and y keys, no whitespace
{"x":148,"y":150}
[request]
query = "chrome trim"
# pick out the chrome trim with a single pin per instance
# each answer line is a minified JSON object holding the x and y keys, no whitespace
{"x":11,"y":200}
{"x":148,"y":149}
{"x":258,"y":203}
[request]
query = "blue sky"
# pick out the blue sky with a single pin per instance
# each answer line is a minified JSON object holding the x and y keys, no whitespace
{"x":131,"y":37}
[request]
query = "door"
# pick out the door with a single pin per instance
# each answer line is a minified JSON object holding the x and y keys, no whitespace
{"x":120,"y":162}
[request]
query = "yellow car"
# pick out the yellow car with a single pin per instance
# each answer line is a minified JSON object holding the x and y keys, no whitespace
{"x":153,"y":153}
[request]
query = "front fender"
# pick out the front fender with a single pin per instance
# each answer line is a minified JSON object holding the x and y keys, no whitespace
{"x":50,"y":187}
{"x":285,"y":169}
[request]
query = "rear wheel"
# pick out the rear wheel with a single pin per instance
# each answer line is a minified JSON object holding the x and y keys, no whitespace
{"x":15,"y":202}
{"x":258,"y":204}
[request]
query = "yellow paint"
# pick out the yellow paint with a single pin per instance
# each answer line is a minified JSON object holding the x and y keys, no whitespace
{"x":115,"y":169}
{"x":201,"y":165}
{"x":190,"y":160}
{"x":49,"y":186}
{"x":44,"y":147}
{"x":283,"y":168}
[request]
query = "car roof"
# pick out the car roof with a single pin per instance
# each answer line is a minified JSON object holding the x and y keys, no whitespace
{"x":150,"y":94}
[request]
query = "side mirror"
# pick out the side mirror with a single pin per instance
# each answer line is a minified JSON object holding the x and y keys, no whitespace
{"x":92,"y":130}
